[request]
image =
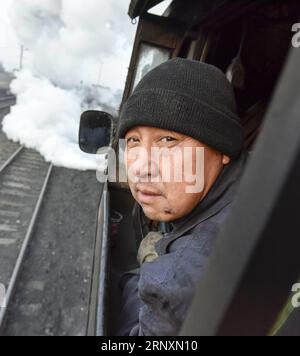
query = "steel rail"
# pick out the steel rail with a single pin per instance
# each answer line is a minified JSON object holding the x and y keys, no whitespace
{"x":11,"y":159}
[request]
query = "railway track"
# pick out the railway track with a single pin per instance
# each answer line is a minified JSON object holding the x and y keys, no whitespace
{"x":6,"y":102}
{"x":24,"y":176}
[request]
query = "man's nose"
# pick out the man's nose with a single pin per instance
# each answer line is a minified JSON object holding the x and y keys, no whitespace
{"x":145,"y":166}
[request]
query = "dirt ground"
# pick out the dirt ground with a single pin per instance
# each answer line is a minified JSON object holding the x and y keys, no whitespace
{"x":52,"y":293}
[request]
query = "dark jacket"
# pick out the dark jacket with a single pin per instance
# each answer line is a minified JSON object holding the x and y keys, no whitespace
{"x":156,"y":298}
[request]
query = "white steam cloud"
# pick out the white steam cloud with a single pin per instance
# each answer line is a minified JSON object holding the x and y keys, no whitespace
{"x":70,"y":47}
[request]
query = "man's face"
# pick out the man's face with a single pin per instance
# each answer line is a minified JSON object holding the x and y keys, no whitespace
{"x":169,"y":173}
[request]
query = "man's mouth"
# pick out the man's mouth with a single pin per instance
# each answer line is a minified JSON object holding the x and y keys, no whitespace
{"x":146,"y":195}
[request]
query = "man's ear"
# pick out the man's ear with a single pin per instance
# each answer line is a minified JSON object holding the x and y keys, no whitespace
{"x":226,"y":160}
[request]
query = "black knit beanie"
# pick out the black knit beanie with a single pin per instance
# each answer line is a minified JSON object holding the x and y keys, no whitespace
{"x":189,"y":97}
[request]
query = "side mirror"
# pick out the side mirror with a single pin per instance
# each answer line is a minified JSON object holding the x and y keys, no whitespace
{"x":96,"y":131}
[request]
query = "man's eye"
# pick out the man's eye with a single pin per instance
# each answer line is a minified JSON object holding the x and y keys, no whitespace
{"x":132,"y":140}
{"x":168,"y":139}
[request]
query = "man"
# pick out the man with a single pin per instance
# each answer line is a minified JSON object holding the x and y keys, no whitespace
{"x":180,"y":106}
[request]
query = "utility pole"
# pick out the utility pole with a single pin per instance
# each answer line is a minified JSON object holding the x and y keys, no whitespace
{"x":21,"y":57}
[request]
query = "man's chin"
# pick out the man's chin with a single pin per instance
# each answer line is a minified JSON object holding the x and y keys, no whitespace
{"x":155,"y":215}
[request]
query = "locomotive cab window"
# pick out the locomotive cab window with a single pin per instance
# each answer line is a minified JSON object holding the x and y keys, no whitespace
{"x":149,"y":57}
